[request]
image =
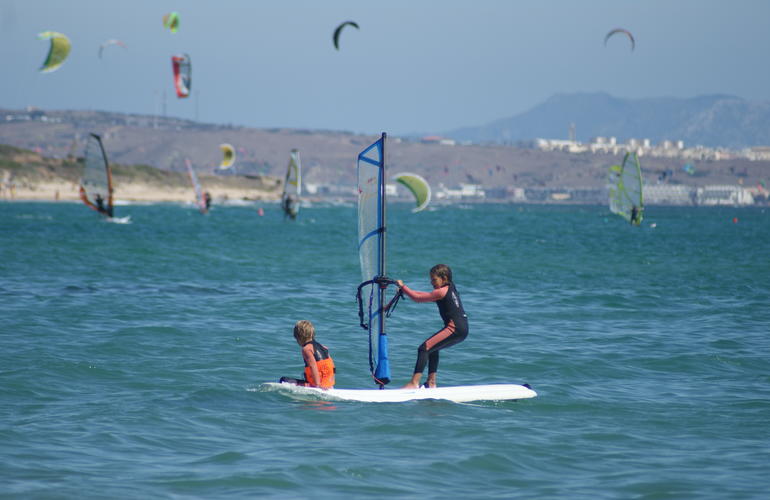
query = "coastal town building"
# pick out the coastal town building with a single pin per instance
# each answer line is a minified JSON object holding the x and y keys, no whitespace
{"x":644,"y":147}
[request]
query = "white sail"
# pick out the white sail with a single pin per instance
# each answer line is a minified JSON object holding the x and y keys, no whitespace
{"x":200,"y":199}
{"x":292,"y":186}
{"x":371,"y":252}
{"x":625,"y":189}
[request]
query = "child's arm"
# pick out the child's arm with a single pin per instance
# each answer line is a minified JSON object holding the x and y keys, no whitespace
{"x":308,"y":356}
{"x":433,"y":296}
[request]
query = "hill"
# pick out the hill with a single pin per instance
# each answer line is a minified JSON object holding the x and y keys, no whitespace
{"x":712,"y":120}
{"x":328,"y":157}
{"x":33,"y":176}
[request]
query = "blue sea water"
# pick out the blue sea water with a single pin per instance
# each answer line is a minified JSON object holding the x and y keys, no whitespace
{"x":131,"y":355}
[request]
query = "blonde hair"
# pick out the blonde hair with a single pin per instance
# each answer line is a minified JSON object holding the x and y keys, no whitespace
{"x":304,"y":331}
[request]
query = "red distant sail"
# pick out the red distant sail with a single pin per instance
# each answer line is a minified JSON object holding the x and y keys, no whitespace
{"x":182,"y":74}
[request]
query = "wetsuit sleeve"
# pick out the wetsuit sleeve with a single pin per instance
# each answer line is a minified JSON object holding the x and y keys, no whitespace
{"x":433,"y":296}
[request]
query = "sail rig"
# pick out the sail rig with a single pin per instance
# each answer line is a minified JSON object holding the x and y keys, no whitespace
{"x":625,"y":186}
{"x":200,"y":199}
{"x":292,"y":186}
{"x":372,"y":255}
{"x":96,"y":183}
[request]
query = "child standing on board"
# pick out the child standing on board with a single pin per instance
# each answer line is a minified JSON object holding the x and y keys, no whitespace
{"x":319,"y":366}
{"x":455,"y":328}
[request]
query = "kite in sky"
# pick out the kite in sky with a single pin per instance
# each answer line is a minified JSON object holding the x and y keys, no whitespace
{"x":624,"y":32}
{"x":58,"y":51}
{"x":336,"y":36}
{"x":171,"y":21}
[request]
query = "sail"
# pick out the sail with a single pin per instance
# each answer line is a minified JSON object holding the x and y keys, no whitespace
{"x":419,"y":188}
{"x":199,"y":196}
{"x":371,"y":251}
{"x":96,"y":183}
{"x":292,"y":186}
{"x":228,"y":156}
{"x":182,"y":74}
{"x":625,"y":186}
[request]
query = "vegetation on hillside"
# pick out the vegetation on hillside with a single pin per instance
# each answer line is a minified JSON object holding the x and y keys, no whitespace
{"x":29,"y":167}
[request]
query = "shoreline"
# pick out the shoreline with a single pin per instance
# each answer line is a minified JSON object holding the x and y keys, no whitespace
{"x":70,"y":192}
{"x":128,"y":193}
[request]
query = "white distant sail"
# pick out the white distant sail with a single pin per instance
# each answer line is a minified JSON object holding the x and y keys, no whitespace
{"x":625,"y":185}
{"x":200,"y":198}
{"x":292,"y":186}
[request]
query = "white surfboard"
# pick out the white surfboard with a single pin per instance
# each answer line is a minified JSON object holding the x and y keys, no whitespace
{"x":457,"y":394}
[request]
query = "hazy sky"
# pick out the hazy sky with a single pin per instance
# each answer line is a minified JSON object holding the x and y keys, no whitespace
{"x":414,"y":65}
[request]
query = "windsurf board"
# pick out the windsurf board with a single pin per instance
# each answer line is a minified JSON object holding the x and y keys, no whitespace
{"x":457,"y":394}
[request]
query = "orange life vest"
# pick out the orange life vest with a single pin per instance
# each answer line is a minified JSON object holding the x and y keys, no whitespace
{"x":325,"y":364}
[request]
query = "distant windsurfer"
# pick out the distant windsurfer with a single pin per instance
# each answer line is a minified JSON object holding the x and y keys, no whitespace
{"x":99,"y":206}
{"x":319,"y":366}
{"x":290,"y":206}
{"x":635,"y":220}
{"x":106,"y":211}
{"x":100,"y":203}
{"x":207,"y":200}
{"x":455,"y":328}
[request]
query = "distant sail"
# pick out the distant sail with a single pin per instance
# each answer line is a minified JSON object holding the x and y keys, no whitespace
{"x":228,"y":156}
{"x":96,"y":183}
{"x":419,"y":188}
{"x":625,"y":185}
{"x":200,"y":199}
{"x":58,"y":50}
{"x":292,"y":186}
{"x":182,"y":74}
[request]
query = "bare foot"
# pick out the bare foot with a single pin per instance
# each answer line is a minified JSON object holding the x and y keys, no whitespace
{"x":410,"y":386}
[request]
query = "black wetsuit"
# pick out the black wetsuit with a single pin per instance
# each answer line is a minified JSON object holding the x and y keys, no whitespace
{"x":101,"y":208}
{"x":455,"y":330}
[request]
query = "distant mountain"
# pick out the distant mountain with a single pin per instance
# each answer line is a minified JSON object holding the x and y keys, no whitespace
{"x":711,"y":120}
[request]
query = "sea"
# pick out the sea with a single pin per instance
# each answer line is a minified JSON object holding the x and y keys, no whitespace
{"x":132,"y":356}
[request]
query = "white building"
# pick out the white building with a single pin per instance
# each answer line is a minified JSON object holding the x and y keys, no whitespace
{"x":724,"y":195}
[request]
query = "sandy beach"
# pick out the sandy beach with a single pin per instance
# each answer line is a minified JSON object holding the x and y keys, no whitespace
{"x":67,"y":191}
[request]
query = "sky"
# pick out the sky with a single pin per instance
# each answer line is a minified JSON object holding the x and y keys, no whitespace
{"x":414,"y":66}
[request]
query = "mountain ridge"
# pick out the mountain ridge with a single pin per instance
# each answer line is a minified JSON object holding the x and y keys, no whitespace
{"x":328,"y":157}
{"x":714,"y":120}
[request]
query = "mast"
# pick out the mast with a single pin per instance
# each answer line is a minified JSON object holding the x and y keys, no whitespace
{"x":382,"y":373}
{"x":383,"y":271}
